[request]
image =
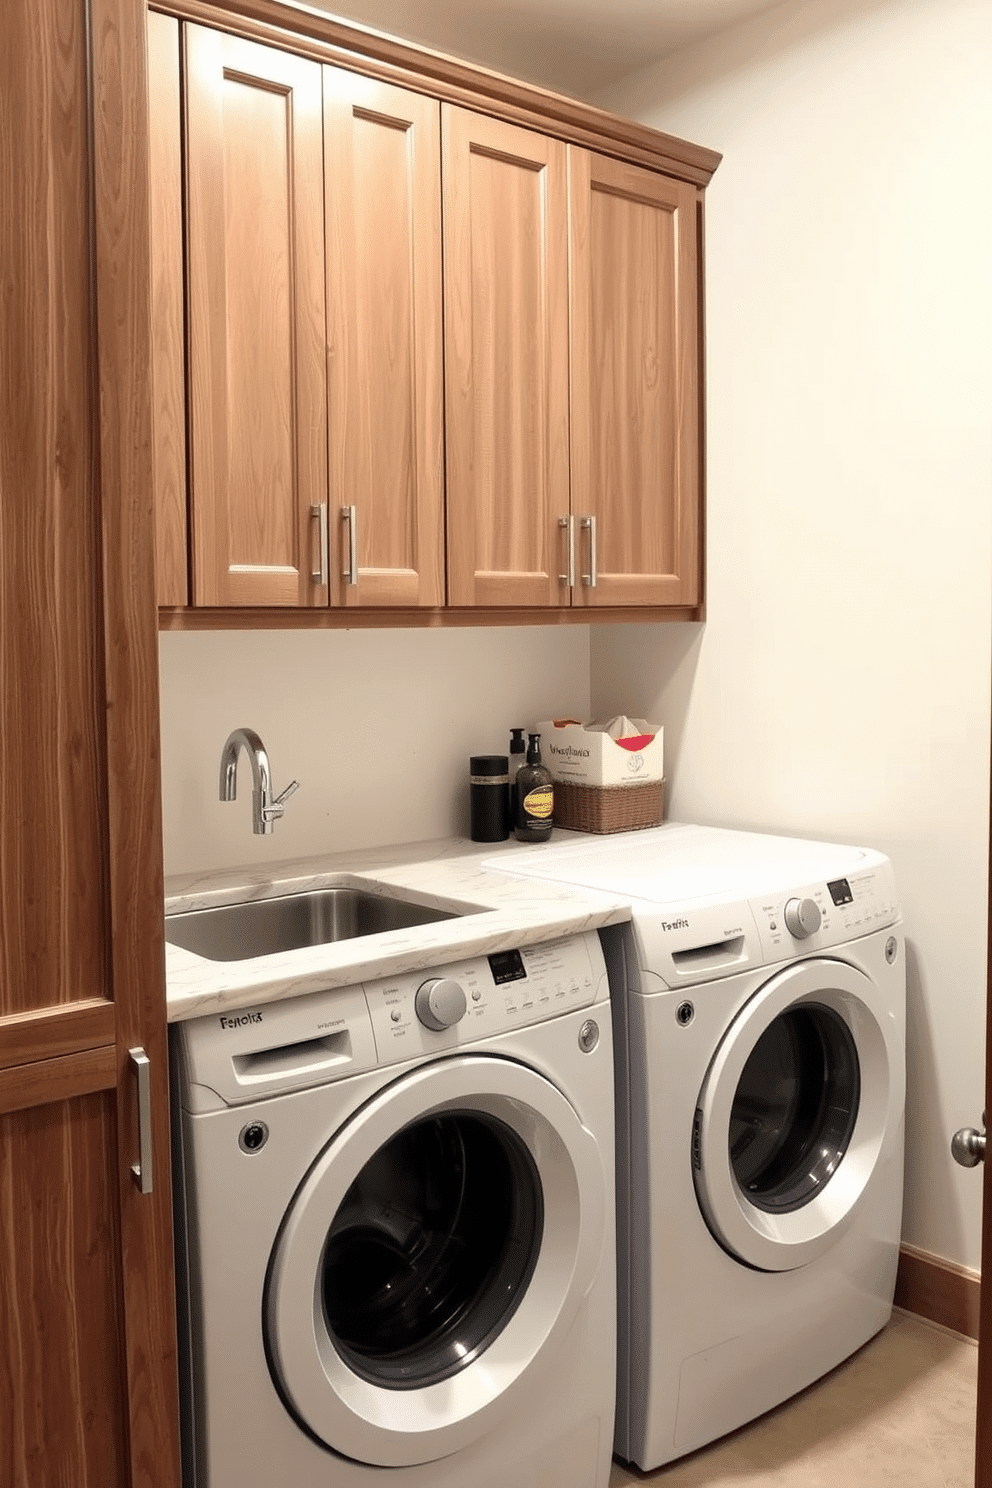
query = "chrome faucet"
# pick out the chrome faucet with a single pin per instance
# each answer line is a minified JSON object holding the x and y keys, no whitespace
{"x":266,"y":807}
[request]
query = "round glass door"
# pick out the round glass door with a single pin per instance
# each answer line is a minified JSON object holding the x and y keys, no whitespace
{"x":792,"y":1113}
{"x":795,"y":1108}
{"x":432,"y":1249}
{"x":433,"y":1260}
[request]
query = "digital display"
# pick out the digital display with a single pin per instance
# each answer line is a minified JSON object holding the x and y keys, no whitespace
{"x":507,"y":966}
{"x":840,"y":892}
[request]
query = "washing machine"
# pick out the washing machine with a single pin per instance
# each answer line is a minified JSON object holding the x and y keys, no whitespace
{"x":396,"y":1230}
{"x":759,"y":1006}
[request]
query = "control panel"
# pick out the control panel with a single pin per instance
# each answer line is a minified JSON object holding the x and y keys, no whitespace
{"x":816,"y":916}
{"x":297,"y":1042}
{"x":469,"y":1000}
{"x":696,"y":942}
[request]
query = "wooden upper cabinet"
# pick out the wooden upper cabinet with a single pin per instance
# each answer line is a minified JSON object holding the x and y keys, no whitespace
{"x":634,"y":384}
{"x":431,"y":357}
{"x":382,"y":184}
{"x":506,"y":361}
{"x":255,"y":266}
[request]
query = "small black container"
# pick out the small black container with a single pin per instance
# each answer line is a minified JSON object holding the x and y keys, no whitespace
{"x":488,"y":778}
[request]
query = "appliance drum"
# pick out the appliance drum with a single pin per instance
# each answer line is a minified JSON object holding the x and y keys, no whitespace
{"x":791,"y":1116}
{"x":432,"y":1249}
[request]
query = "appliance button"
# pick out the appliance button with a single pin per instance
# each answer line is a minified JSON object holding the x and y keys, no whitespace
{"x":802,"y":917}
{"x":440,"y":1003}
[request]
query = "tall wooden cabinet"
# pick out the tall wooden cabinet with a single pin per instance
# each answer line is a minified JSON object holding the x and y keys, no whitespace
{"x":88,"y":1380}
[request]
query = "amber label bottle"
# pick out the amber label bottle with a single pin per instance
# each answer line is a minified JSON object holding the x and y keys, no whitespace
{"x":534,"y":797}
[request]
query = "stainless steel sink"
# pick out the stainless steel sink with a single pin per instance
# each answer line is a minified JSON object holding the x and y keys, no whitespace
{"x":239,"y":932}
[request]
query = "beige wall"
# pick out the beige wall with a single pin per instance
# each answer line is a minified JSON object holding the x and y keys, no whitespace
{"x":840,"y":686}
{"x":377,"y":726}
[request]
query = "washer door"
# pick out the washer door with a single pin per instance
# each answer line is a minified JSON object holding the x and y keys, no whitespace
{"x":433,"y":1260}
{"x":792,"y":1114}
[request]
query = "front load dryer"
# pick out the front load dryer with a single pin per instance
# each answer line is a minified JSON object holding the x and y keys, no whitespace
{"x":759,"y":1004}
{"x":396,"y":1230}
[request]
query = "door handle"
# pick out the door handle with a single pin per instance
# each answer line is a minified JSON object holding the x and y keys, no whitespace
{"x":349,"y":514}
{"x":968,"y":1145}
{"x":591,"y":576}
{"x":568,"y":577}
{"x":141,"y":1171}
{"x":319,"y":510}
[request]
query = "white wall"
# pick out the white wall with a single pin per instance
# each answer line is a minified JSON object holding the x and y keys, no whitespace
{"x":377,"y":726}
{"x":840,"y":685}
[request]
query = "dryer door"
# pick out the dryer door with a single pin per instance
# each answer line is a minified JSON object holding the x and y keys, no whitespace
{"x":792,"y":1114}
{"x":433,"y":1260}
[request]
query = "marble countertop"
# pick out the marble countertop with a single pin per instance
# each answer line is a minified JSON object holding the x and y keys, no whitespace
{"x":504,"y":912}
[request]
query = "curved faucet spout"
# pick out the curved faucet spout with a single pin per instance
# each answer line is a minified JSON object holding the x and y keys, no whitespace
{"x":266,"y":808}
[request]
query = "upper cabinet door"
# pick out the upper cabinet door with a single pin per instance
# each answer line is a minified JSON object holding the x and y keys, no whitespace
{"x":256,"y":321}
{"x":384,"y":338}
{"x":506,"y":361}
{"x":634,"y":384}
{"x":168,"y":336}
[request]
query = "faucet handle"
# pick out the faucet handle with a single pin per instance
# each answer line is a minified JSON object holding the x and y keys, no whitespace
{"x":272,"y":806}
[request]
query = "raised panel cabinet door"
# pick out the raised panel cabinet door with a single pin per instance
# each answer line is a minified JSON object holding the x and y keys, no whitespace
{"x":635,"y":458}
{"x":382,"y":175}
{"x":168,"y":343}
{"x":63,"y":1386}
{"x":506,"y":361}
{"x":54,"y":949}
{"x":255,"y":246}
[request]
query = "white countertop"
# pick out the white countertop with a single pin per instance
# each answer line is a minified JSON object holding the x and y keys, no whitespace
{"x":450,"y":873}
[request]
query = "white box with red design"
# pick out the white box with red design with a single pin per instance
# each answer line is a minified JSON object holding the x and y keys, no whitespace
{"x":588,"y":754}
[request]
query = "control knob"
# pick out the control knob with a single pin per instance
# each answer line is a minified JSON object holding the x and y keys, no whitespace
{"x":440,"y":1002}
{"x":802,"y":917}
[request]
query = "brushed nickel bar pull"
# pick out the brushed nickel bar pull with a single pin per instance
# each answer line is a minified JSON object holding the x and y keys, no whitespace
{"x":588,"y":524}
{"x":568,"y":577}
{"x":142,"y":1170}
{"x":350,"y":515}
{"x":319,"y":510}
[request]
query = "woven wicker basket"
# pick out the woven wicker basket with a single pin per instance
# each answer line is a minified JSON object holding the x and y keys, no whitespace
{"x":609,"y":808}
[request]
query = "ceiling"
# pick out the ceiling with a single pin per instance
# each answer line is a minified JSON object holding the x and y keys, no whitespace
{"x":580,"y":47}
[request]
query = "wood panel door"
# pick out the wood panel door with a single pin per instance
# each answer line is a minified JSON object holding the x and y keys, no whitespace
{"x":168,"y":328}
{"x":88,"y":1393}
{"x":255,"y":268}
{"x":382,"y":169}
{"x":506,"y":361}
{"x":635,"y":451}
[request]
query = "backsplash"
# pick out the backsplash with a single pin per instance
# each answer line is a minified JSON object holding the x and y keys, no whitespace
{"x":377,"y":726}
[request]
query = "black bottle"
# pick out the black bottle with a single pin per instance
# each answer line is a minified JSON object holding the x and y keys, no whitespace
{"x":487,"y":798}
{"x":518,"y":757}
{"x":535,"y":797}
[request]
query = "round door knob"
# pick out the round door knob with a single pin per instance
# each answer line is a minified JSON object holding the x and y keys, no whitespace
{"x":968,"y":1146}
{"x":439,"y":1003}
{"x":802,"y":917}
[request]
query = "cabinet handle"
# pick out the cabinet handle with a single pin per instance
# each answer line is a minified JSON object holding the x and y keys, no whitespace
{"x":588,"y":524}
{"x":319,"y":510}
{"x":141,"y":1171}
{"x":350,"y":515}
{"x":568,"y":577}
